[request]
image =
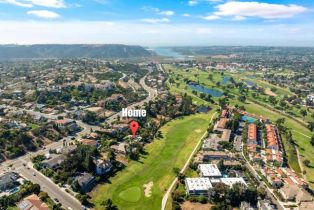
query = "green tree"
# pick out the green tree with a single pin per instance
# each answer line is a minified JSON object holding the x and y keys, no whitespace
{"x":311,"y":125}
{"x":303,"y":113}
{"x":242,"y":98}
{"x":312,"y":140}
{"x":272,"y":100}
{"x":307,"y":163}
{"x":109,"y":205}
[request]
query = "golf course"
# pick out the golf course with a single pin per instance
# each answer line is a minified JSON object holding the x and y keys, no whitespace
{"x":301,"y":134}
{"x":142,"y":184}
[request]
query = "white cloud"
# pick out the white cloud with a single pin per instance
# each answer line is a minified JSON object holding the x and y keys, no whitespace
{"x":211,"y":17}
{"x":166,"y":13}
{"x":17,"y":3}
{"x":193,"y":2}
{"x":31,"y":3}
{"x":239,"y":18}
{"x":44,"y":14}
{"x":186,"y":15}
{"x":158,"y":11}
{"x":156,"y":20}
{"x":101,"y":32}
{"x":48,"y":3}
{"x":261,"y":10}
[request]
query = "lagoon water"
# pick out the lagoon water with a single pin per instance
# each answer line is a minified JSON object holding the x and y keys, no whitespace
{"x":250,"y":83}
{"x":225,"y":80}
{"x":210,"y":91}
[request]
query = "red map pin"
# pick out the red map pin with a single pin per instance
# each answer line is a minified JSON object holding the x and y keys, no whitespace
{"x":134,"y":127}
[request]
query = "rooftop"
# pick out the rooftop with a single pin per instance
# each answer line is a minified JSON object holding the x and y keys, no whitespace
{"x":198,"y":183}
{"x":233,"y":180}
{"x":209,"y":170}
{"x":32,"y":202}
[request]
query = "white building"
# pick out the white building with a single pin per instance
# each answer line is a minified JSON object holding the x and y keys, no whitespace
{"x":233,"y":180}
{"x":198,"y":186}
{"x":209,"y":170}
{"x":311,"y":97}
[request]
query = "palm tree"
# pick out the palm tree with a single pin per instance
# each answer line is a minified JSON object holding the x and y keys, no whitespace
{"x":109,"y":205}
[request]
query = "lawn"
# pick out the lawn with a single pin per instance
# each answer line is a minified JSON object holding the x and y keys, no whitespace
{"x":180,"y":136}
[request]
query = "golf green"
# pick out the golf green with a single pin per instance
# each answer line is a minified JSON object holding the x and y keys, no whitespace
{"x":132,"y":194}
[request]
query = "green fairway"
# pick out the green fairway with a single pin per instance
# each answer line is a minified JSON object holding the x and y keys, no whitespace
{"x":180,"y":136}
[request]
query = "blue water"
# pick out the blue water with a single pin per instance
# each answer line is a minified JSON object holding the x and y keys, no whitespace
{"x":226,"y":79}
{"x":250,"y":83}
{"x":248,"y":119}
{"x":210,"y":91}
{"x":14,"y":190}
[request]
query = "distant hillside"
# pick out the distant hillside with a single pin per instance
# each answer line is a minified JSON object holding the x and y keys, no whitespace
{"x":72,"y":51}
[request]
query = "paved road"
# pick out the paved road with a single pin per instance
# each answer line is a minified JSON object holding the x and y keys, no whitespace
{"x":166,"y":196}
{"x":53,"y":190}
{"x":152,"y":93}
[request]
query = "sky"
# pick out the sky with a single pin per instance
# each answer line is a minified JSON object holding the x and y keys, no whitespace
{"x":158,"y":22}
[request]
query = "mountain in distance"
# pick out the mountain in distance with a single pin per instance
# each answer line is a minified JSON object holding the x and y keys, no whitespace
{"x":107,"y":51}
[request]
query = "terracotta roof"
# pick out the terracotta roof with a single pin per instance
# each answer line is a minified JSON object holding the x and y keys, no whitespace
{"x":222,"y":122}
{"x":62,"y":122}
{"x":89,"y":142}
{"x":288,"y":180}
{"x":272,"y":139}
{"x":33,"y":202}
{"x":252,"y":132}
{"x":224,"y":113}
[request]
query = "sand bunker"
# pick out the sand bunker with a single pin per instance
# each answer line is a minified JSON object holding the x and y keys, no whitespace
{"x":148,"y":189}
{"x":198,"y":130}
{"x":270,"y":93}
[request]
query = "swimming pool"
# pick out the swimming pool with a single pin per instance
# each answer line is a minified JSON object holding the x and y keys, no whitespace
{"x":248,"y":119}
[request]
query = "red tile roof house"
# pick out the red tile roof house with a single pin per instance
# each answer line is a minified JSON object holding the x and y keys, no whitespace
{"x":66,"y":123}
{"x":272,"y":138}
{"x":32,"y":202}
{"x":252,"y":137}
{"x":89,"y":142}
{"x":222,"y":123}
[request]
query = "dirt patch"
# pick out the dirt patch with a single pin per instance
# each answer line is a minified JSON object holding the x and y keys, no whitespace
{"x":270,"y":93}
{"x":195,"y":206}
{"x":198,"y":130}
{"x":148,"y":189}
